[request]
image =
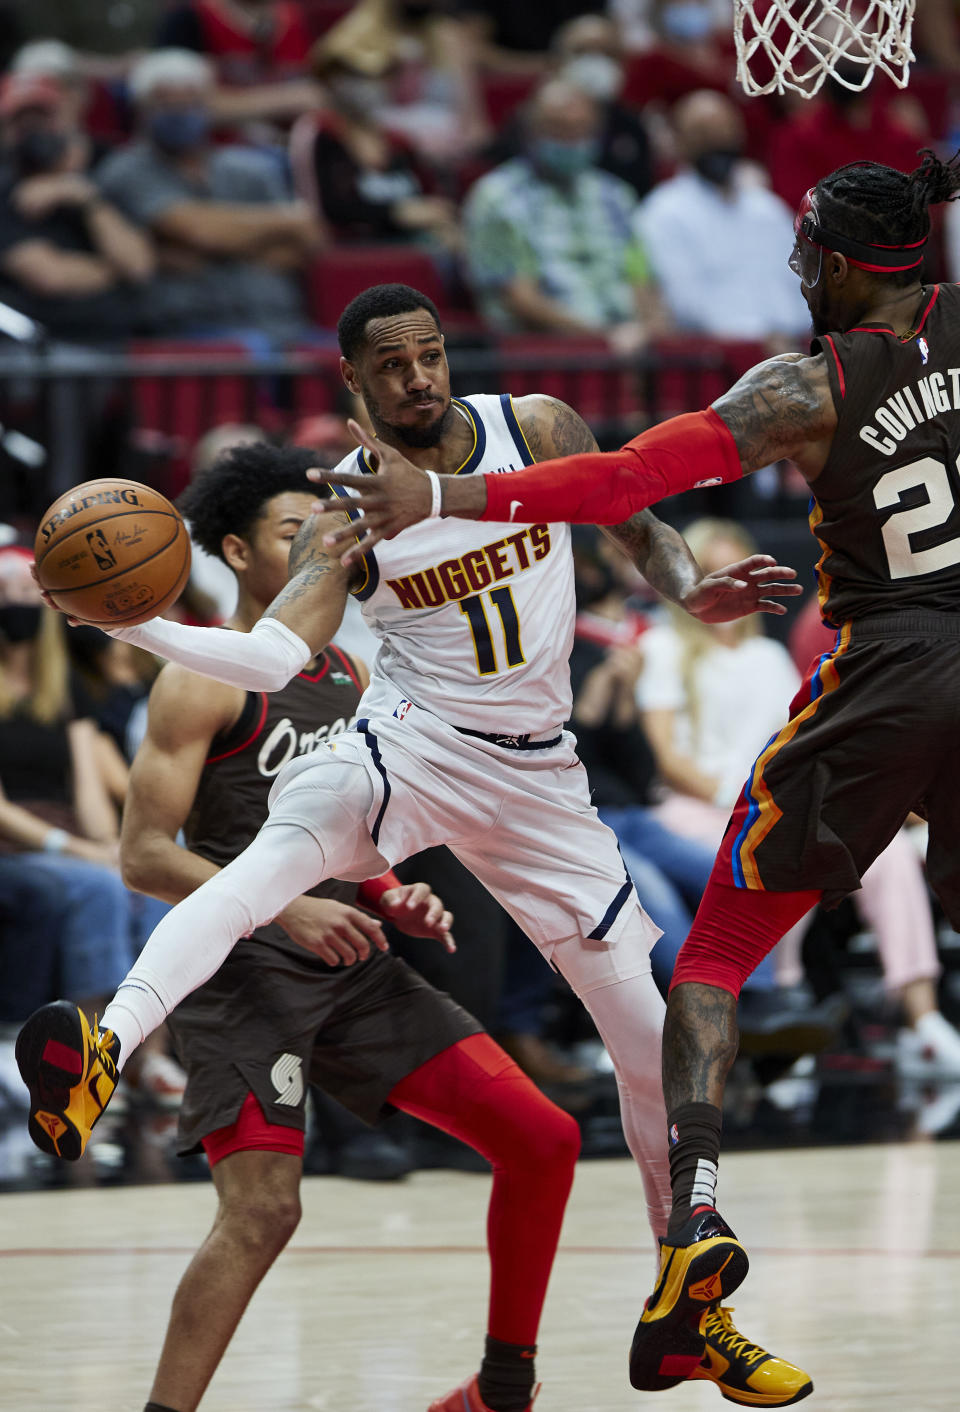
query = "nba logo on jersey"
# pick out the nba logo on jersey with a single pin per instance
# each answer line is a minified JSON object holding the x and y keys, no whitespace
{"x":402,"y":709}
{"x":924,"y":347}
{"x":674,"y":1134}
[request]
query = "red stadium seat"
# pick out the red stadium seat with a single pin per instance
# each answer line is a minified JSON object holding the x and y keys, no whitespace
{"x":316,"y":392}
{"x":180,"y":408}
{"x":695,"y":371}
{"x":602,"y":394}
{"x":339,"y":274}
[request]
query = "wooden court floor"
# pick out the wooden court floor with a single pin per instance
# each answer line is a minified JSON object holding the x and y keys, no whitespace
{"x":378,"y":1304}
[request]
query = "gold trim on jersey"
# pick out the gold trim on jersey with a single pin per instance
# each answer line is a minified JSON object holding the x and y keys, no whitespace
{"x":533,"y":459}
{"x":341,"y":494}
{"x":471,"y":459}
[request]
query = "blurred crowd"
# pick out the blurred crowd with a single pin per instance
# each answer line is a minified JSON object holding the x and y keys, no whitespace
{"x":234,"y":171}
{"x":561,"y":168}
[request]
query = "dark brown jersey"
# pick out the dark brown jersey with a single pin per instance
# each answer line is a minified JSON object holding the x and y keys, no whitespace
{"x":886,"y":507}
{"x":231,"y":799}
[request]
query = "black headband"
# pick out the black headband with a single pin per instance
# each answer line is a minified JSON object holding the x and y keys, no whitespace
{"x":876,"y":258}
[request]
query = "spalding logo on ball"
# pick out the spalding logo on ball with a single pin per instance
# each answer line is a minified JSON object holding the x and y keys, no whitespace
{"x":112,"y":552}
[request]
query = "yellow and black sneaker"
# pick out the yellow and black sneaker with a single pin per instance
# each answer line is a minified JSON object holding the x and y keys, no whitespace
{"x":699,"y":1266}
{"x":744,"y":1372}
{"x":71,"y":1071}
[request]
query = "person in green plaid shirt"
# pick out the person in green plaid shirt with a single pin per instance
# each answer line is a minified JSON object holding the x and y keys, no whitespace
{"x":551,"y":242}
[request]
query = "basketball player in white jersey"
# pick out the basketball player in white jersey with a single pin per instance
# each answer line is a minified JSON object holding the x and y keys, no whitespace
{"x":459,"y":740}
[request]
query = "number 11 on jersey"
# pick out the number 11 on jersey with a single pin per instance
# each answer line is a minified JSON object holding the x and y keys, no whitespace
{"x":475,"y":613}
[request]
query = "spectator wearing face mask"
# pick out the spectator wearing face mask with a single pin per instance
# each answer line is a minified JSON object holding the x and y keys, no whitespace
{"x":68,"y":257}
{"x":423,"y":51}
{"x":52,"y":59}
{"x":364,"y":179}
{"x":717,"y":237}
{"x":259,"y":51}
{"x":590,"y":54}
{"x":550,"y":237}
{"x":644,"y":24}
{"x":677,"y":47}
{"x":231,"y":244}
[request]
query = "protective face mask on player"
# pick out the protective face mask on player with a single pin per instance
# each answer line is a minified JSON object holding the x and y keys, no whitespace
{"x":564,"y":160}
{"x":686,"y":22}
{"x":596,"y":74}
{"x":807,"y":255}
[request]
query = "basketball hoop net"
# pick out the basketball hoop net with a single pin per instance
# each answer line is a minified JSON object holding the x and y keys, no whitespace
{"x":798,"y":44}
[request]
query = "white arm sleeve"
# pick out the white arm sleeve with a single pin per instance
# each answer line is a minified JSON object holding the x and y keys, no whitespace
{"x":262,"y":660}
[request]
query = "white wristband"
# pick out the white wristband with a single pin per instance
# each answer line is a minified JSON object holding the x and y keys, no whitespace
{"x":436,"y":494}
{"x":55,"y":840}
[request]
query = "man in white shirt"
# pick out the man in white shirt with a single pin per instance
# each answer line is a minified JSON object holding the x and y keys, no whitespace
{"x":715,"y":236}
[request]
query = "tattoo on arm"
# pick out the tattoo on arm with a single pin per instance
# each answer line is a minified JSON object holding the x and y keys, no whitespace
{"x":552,"y":428}
{"x":659,"y":552}
{"x":778,"y":408}
{"x":309,"y":562}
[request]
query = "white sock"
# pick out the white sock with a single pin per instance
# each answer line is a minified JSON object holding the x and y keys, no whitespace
{"x":629,"y":1017}
{"x":132,"y":1014}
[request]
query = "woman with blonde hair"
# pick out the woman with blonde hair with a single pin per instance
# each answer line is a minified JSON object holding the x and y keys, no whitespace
{"x":712,"y":696}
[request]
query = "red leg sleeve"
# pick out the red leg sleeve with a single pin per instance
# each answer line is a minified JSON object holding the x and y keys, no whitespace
{"x":607,"y":487}
{"x":476,"y":1092}
{"x":735,"y":927}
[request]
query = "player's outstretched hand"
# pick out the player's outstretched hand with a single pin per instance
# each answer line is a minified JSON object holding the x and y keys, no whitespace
{"x":397,"y":496}
{"x":750,"y":586}
{"x":415,"y":910}
{"x":332,"y":930}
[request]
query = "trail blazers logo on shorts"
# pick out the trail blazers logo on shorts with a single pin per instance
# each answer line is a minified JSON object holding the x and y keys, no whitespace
{"x":287,"y":1078}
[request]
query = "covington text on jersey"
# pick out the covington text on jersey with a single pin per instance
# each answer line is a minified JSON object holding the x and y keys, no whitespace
{"x":474,"y":571}
{"x":902,"y":410}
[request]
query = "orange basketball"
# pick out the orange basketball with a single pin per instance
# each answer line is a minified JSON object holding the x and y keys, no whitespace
{"x":112,"y":552}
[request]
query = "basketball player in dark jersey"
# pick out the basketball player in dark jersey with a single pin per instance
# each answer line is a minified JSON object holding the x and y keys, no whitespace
{"x":312,"y":997}
{"x":872,"y":419}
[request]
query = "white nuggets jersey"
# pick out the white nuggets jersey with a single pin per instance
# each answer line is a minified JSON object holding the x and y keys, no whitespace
{"x":475,"y":619}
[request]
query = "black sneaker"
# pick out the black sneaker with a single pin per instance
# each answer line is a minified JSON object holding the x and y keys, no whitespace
{"x":71,"y":1072}
{"x":699,"y":1266}
{"x":744,"y":1372}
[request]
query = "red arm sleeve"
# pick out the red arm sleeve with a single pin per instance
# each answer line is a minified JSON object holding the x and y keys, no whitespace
{"x":607,"y":487}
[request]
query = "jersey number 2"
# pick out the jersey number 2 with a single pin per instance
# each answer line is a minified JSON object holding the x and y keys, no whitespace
{"x":903,"y":561}
{"x":474,"y":611}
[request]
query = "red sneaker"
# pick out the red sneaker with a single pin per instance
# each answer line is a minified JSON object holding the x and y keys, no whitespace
{"x":466,"y":1398}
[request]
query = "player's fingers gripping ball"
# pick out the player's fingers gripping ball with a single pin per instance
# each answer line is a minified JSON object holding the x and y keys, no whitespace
{"x":112,"y":552}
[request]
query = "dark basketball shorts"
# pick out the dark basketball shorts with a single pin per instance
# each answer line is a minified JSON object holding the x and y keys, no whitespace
{"x":873,"y":734}
{"x":270,"y":1022}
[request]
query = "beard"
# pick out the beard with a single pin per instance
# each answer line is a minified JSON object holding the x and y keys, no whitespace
{"x":417,"y":438}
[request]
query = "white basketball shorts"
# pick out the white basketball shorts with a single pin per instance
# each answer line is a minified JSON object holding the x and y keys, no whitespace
{"x":520,"y":820}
